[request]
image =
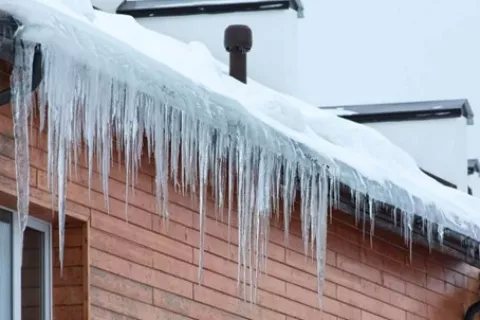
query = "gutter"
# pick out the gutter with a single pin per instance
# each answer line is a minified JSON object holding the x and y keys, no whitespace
{"x":472,"y":311}
{"x":8,"y":44}
{"x":298,"y":6}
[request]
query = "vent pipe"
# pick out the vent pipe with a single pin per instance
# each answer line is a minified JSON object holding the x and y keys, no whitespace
{"x":238,"y":42}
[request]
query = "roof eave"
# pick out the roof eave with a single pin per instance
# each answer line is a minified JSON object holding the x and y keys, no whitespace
{"x":149,"y":8}
{"x":394,"y":112}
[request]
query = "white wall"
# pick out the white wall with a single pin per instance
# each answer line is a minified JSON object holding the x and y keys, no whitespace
{"x":273,"y":59}
{"x":438,"y":146}
{"x":474,"y":183}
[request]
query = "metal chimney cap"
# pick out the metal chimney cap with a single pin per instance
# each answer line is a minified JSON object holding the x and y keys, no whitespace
{"x":238,"y":38}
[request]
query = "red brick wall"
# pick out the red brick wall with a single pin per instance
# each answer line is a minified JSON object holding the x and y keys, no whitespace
{"x":68,"y":289}
{"x":141,"y":270}
{"x":362,"y":283}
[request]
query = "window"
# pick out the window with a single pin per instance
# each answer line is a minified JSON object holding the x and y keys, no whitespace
{"x":25,"y":294}
{"x":5,"y":265}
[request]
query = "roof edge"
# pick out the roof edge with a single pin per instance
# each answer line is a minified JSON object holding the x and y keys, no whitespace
{"x":439,"y":180}
{"x":407,"y":111}
{"x":152,"y":8}
{"x":473,"y":166}
{"x":403,"y":116}
{"x":468,"y":112}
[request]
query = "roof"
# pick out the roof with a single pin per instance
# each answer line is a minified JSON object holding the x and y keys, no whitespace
{"x":127,"y":81}
{"x":406,"y":111}
{"x":155,"y":8}
{"x":439,"y":179}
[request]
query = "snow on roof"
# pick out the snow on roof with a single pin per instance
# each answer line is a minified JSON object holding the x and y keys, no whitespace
{"x":107,"y":71}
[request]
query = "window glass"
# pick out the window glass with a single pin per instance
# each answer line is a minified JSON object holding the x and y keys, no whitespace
{"x":32,"y":275}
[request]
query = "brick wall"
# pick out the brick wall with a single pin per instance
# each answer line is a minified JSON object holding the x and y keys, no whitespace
{"x":155,"y":271}
{"x":141,"y":270}
{"x":68,"y":289}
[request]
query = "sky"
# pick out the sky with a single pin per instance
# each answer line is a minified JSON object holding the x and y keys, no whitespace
{"x":377,"y":51}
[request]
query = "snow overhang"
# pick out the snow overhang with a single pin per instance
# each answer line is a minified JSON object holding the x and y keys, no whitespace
{"x":139,"y":82}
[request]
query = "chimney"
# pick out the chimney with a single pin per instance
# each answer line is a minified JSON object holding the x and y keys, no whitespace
{"x":238,"y":42}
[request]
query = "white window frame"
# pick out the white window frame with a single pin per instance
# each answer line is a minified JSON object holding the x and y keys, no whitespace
{"x":46,"y":229}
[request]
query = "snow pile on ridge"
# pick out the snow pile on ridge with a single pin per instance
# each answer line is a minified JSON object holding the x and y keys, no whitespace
{"x":110,"y":78}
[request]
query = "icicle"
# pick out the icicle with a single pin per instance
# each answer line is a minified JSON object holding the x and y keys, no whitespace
{"x":231,"y":172}
{"x":331,"y":200}
{"x":290,"y":173}
{"x":262,"y":216}
{"x":321,"y":233}
{"x":21,"y":108}
{"x":276,"y":180}
{"x":305,"y":190}
{"x":364,"y":218}
{"x":408,"y":227}
{"x":161,"y":162}
{"x":440,"y":235}
{"x":91,"y":106}
{"x":240,"y":213}
{"x":204,"y":152}
{"x":371,"y":213}
{"x":61,"y":202}
{"x":429,"y":231}
{"x":357,"y":201}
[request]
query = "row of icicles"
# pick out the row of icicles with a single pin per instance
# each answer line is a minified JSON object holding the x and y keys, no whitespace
{"x":90,"y":110}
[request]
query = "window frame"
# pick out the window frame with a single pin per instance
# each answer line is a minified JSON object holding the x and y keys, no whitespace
{"x":46,"y":229}
{"x":8,"y":245}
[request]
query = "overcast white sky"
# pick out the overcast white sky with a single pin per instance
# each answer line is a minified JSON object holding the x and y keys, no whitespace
{"x":374,"y":51}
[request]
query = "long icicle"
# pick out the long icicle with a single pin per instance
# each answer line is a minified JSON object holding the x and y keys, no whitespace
{"x":21,"y":107}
